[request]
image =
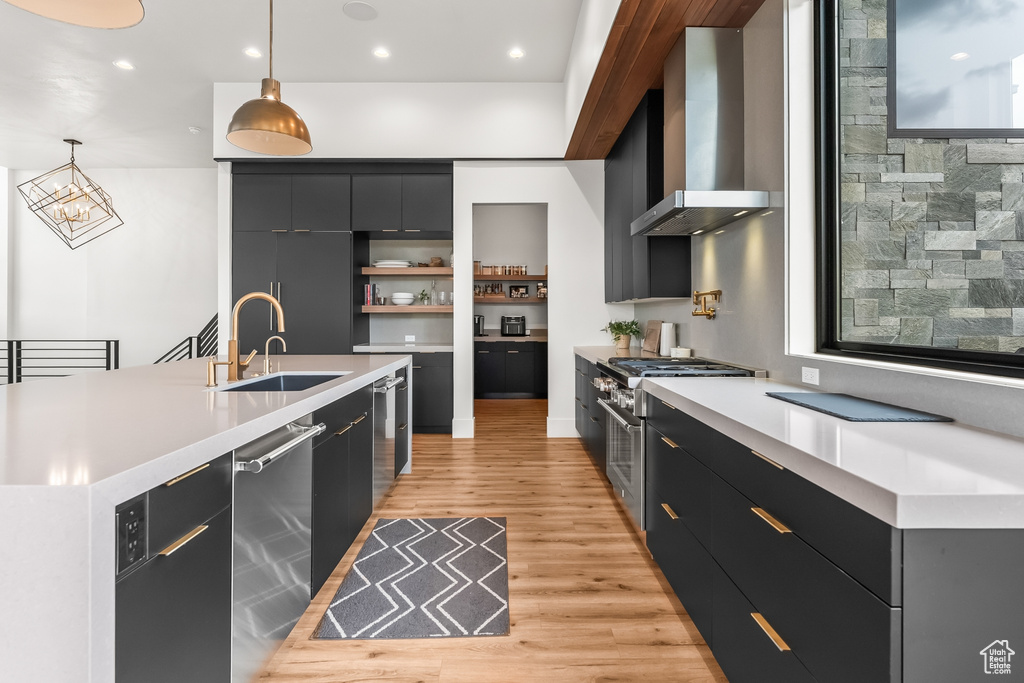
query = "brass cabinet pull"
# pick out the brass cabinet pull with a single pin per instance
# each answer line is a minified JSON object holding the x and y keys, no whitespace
{"x":343,"y":430}
{"x":670,"y":511}
{"x":183,"y":540}
{"x":403,"y":426}
{"x":278,"y":231}
{"x":770,"y":632}
{"x":594,"y":419}
{"x":390,"y":230}
{"x":358,"y":419}
{"x":768,"y":460}
{"x":188,"y":474}
{"x":669,"y":406}
{"x":420,"y":367}
{"x":402,"y":388}
{"x":483,"y":351}
{"x":298,"y":230}
{"x":776,"y":524}
{"x":669,"y":441}
{"x":512,"y":352}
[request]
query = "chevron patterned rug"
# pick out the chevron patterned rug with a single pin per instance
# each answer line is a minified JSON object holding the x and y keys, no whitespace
{"x":424,"y":578}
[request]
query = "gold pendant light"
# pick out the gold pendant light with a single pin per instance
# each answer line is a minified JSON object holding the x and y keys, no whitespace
{"x":76,"y":208}
{"x":88,"y":13}
{"x":268,"y":125}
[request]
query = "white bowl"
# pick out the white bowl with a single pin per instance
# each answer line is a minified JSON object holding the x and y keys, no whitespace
{"x":401,"y":299}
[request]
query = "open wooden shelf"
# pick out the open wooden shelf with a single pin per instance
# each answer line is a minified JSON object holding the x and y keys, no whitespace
{"x":418,"y":272}
{"x":509,"y":278}
{"x":507,"y":300}
{"x":389,"y":308}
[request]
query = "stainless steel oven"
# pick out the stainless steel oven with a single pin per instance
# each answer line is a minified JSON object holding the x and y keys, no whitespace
{"x":624,"y":434}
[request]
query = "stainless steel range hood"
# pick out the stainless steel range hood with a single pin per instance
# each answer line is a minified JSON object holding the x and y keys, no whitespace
{"x":703,"y":138}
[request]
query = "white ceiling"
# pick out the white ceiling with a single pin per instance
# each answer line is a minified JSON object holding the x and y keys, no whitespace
{"x":58,"y":81}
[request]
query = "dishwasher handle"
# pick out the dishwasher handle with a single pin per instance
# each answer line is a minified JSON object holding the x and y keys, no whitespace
{"x":630,"y":428}
{"x":256,"y":466}
{"x":388,"y":385}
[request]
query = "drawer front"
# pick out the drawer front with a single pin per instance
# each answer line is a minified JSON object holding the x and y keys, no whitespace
{"x":838,"y":629}
{"x":581,"y":364}
{"x":493,"y":347}
{"x":439,"y":358}
{"x":744,"y":648}
{"x":335,"y":417}
{"x":676,"y":478}
{"x":583,"y":388}
{"x":183,"y":503}
{"x":684,"y":562}
{"x":863,"y":546}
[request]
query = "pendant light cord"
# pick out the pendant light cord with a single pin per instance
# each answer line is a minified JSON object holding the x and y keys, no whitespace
{"x":271,"y":39}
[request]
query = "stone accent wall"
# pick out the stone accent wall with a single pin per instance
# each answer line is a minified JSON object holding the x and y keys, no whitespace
{"x":932,"y":230}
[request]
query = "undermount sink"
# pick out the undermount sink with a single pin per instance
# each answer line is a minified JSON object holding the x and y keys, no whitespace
{"x":284,"y":381}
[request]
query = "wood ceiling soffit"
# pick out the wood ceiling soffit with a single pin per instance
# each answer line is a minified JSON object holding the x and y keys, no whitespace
{"x":616,"y":63}
{"x":642,"y":35}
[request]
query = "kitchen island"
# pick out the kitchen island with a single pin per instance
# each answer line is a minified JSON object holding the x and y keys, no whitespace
{"x":77,"y":447}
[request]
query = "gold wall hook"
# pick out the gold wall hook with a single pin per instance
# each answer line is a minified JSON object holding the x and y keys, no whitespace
{"x":701,"y":299}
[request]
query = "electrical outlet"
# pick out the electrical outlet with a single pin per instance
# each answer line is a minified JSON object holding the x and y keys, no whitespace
{"x":809,"y":376}
{"x":410,"y":337}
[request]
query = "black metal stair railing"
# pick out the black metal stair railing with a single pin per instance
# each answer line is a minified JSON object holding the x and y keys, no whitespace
{"x":196,"y":346}
{"x":38,"y":358}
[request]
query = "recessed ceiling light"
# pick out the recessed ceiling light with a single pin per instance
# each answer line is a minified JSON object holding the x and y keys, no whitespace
{"x":960,"y":56}
{"x":516,"y":53}
{"x":767,"y":213}
{"x":740,"y":213}
{"x":360,"y":11}
{"x":381,"y":52}
{"x":124,"y":64}
{"x":719,"y":232}
{"x":253,"y":52}
{"x":698,"y":232}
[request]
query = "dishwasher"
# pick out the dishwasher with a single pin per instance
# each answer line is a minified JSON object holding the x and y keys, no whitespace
{"x":384,"y":426}
{"x":273,"y":515}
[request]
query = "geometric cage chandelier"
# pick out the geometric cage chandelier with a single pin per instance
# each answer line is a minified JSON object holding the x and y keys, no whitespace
{"x":73,"y":206}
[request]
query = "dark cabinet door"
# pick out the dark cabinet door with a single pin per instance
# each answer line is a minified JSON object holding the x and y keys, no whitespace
{"x":519,"y":368}
{"x":173,"y":614}
{"x":314,"y":271}
{"x":427,"y":202}
{"x":261,"y":203}
{"x":377,"y":202}
{"x":332,"y":532}
{"x":540,"y":370}
{"x":403,"y":428}
{"x":433,"y":393}
{"x":254,"y":269}
{"x":321,"y":201}
{"x":489,"y":369}
{"x":360,"y":463}
{"x":618,"y":182}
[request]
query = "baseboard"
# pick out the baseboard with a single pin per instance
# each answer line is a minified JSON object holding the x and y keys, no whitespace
{"x":462,"y":428}
{"x":561,"y":428}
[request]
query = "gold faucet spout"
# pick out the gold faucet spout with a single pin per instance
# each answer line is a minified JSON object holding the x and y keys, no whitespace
{"x":237,"y":366}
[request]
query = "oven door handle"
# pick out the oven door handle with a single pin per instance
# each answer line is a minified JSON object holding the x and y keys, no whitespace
{"x":618,"y":418}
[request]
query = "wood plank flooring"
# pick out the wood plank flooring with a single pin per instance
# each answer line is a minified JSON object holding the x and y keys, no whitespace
{"x":586,"y":601}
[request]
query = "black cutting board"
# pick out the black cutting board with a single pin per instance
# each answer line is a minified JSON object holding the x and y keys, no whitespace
{"x":855,"y":409}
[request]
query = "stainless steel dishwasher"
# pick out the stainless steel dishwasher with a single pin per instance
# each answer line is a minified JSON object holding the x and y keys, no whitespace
{"x":384,"y":434}
{"x":273,"y":530}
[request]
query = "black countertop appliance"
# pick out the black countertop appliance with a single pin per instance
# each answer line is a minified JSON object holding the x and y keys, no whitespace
{"x":478,"y":326}
{"x":513,"y":325}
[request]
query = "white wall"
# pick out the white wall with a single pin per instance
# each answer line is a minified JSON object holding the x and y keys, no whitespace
{"x":413,"y":120}
{"x":149,"y":283}
{"x":574,"y":194}
{"x":592,"y":29}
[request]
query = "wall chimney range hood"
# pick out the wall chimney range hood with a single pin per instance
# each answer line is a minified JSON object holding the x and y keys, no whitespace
{"x":703,"y":138}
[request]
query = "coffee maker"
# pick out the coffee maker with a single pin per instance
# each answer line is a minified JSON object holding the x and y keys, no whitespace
{"x":478,"y":326}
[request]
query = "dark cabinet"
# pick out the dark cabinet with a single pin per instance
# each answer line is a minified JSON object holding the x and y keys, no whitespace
{"x":433,"y":395}
{"x":173,"y":592}
{"x":311,"y":273}
{"x":510,"y":370}
{"x":402,"y":202}
{"x":640,"y":267}
{"x":341,"y":488}
{"x":262,"y":202}
{"x":590,"y":416}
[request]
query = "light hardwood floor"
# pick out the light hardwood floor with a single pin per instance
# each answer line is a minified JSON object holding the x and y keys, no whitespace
{"x":586,"y":601}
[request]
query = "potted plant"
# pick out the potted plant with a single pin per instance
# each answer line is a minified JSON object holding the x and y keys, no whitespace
{"x":424,"y":297}
{"x":622,"y":330}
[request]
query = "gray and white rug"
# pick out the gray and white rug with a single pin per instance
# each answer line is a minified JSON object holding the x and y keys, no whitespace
{"x":424,"y":578}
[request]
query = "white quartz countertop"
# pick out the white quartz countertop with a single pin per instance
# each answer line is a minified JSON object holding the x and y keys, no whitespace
{"x":124,"y":431}
{"x":908,"y":474}
{"x":602,"y":353}
{"x":404,"y":347}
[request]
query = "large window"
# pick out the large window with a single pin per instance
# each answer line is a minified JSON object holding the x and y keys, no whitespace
{"x":922,"y":238}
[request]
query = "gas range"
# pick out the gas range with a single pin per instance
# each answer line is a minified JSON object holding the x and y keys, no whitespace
{"x":630,"y":371}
